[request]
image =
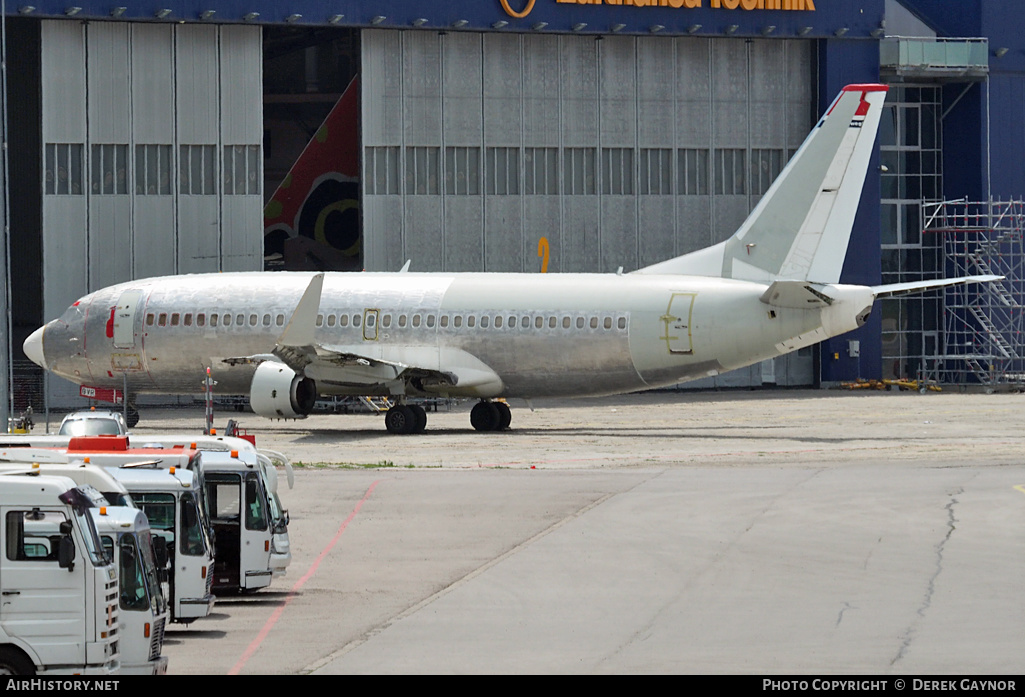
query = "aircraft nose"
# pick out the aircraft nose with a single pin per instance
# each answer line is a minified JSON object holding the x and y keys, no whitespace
{"x":33,"y":347}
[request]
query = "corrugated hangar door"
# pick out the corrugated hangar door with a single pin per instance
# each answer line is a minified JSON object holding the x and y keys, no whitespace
{"x":617,"y":150}
{"x":151,"y":153}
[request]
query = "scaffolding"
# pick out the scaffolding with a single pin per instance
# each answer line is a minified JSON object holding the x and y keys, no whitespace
{"x":984,"y":343}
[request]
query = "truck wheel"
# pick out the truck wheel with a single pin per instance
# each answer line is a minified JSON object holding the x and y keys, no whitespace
{"x":15,"y":663}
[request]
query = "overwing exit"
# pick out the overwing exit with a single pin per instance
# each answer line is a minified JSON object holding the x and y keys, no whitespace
{"x":286,"y":338}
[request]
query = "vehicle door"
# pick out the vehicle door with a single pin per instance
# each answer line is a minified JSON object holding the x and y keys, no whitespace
{"x":224,"y":496}
{"x":40,"y":602}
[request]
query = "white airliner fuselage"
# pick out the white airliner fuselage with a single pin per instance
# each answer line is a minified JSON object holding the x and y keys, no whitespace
{"x":493,"y":335}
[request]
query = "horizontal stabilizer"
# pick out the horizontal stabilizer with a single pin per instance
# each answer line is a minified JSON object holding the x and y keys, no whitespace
{"x":894,"y":289}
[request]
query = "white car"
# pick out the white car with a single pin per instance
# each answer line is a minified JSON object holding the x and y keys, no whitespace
{"x":94,"y":422}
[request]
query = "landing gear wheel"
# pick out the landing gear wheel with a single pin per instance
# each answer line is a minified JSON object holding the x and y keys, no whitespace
{"x":421,"y":418}
{"x":505,"y":415}
{"x":400,"y":419}
{"x":485,"y":416}
{"x":133,"y":416}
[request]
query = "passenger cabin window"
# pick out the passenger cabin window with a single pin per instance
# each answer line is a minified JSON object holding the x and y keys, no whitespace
{"x":279,"y":320}
{"x":471,"y":320}
{"x":386,"y":321}
{"x":226,"y":320}
{"x":240,"y":320}
{"x":343,"y":320}
{"x":457,"y":321}
{"x":444,"y":321}
{"x":149,"y":320}
{"x":580,"y":322}
{"x":320,"y":320}
{"x":163,"y":319}
{"x":430,"y":321}
{"x":213,"y":320}
{"x":330,"y":320}
{"x":188,"y":319}
{"x":539,"y":322}
{"x":402,"y":320}
{"x":622,"y":322}
{"x":525,"y":322}
{"x":498,"y":322}
{"x":565,"y":322}
{"x":252,"y":320}
{"x":416,"y":320}
{"x":201,"y":320}
{"x":356,"y":320}
{"x":266,"y":320}
{"x":594,"y":323}
{"x":608,"y":323}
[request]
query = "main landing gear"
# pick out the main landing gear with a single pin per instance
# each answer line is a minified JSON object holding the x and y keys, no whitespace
{"x":490,"y":416}
{"x":406,"y":418}
{"x":412,"y":418}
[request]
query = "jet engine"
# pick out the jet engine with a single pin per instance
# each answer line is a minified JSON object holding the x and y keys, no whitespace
{"x":278,"y":392}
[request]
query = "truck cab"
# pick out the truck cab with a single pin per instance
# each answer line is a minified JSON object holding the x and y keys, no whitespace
{"x":172,"y":501}
{"x":125,"y":536}
{"x":60,"y":610}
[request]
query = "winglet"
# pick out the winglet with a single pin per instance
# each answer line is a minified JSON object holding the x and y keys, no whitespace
{"x":405,"y":267}
{"x":303,"y":324}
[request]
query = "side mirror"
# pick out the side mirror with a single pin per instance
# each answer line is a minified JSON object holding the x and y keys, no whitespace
{"x":66,"y":553}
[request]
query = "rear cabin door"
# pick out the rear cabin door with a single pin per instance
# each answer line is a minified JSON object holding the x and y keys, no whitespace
{"x":676,"y":323}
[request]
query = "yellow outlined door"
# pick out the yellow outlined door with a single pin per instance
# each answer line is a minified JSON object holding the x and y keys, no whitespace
{"x":676,"y":323}
{"x":370,"y":318}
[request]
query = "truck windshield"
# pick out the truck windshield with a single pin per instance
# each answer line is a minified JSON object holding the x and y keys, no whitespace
{"x":256,"y":503}
{"x":132,"y":579}
{"x":194,"y":541}
{"x":158,"y":604}
{"x":93,"y":547}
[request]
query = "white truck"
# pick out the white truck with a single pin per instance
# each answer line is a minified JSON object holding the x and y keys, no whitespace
{"x":125,"y":534}
{"x":59,"y":609}
{"x":172,"y":502}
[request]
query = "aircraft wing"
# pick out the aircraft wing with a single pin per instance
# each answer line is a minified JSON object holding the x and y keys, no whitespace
{"x":429,"y":368}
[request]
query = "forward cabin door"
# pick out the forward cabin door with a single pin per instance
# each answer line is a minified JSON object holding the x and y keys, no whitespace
{"x":124,"y":318}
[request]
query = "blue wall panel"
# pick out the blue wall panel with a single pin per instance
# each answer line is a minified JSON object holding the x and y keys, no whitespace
{"x":638,"y":16}
{"x":842,"y":63}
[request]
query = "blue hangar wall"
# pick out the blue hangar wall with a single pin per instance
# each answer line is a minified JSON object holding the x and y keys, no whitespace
{"x":846,"y":35}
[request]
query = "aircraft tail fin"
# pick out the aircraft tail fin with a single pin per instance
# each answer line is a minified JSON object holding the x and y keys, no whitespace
{"x":802,"y":225}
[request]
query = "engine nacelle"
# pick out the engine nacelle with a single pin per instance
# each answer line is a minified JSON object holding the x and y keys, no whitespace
{"x":278,"y":393}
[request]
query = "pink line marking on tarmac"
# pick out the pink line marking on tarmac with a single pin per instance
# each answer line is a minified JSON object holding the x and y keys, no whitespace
{"x":276,"y":615}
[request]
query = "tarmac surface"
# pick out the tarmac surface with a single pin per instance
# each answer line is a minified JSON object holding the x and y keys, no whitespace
{"x":743,"y":532}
